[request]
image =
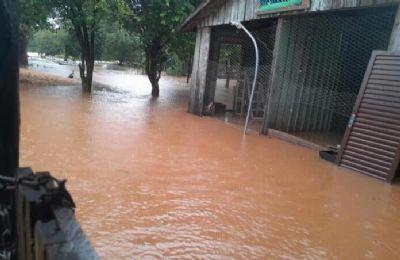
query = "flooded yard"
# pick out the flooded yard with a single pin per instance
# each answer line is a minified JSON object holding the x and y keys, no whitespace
{"x":152,"y":181}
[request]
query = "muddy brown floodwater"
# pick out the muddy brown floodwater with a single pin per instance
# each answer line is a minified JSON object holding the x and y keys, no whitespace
{"x":152,"y":181}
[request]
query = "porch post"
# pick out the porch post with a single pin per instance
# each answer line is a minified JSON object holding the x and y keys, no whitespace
{"x":394,"y":44}
{"x":9,"y":107}
{"x":199,"y":72}
{"x":9,"y":98}
{"x":212,"y":71}
{"x":273,"y":81}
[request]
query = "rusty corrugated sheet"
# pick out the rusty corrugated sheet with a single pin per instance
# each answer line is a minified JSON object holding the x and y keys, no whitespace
{"x":371,"y":144}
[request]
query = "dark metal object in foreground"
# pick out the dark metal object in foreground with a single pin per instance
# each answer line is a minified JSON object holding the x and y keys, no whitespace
{"x":46,"y":223}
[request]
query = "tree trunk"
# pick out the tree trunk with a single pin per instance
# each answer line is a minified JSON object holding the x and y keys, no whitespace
{"x":153,"y":69}
{"x":23,"y":46}
{"x":189,"y":69}
{"x":86,"y":38}
{"x":228,"y":73}
{"x":155,"y":90}
{"x":86,"y":73}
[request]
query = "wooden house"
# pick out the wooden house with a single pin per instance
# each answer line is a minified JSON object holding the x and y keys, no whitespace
{"x":313,"y":57}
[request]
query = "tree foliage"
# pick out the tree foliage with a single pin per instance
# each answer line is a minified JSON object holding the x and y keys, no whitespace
{"x":33,"y":17}
{"x":48,"y":42}
{"x":119,"y":30}
{"x":155,"y":23}
{"x":55,"y":42}
{"x":117,"y":43}
{"x":82,"y":16}
{"x":33,"y":14}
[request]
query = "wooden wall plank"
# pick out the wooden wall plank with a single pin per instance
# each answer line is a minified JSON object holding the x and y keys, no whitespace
{"x":228,"y":12}
{"x":202,"y":69}
{"x":394,"y":44}
{"x":245,"y":10}
{"x":281,"y":49}
{"x":241,"y":10}
{"x":273,"y":81}
{"x":250,"y":11}
{"x":221,"y":15}
{"x":195,"y":69}
{"x":235,"y":9}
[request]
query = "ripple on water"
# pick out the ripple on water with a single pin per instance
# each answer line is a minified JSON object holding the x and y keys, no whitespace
{"x":152,"y":181}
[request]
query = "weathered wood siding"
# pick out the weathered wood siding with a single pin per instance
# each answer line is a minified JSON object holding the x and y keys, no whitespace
{"x":199,"y":72}
{"x":394,"y":44}
{"x":246,"y":10}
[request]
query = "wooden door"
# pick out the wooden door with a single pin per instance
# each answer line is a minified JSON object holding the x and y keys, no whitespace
{"x":371,"y":144}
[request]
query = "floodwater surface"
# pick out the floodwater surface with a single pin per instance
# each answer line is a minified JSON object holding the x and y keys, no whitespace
{"x":152,"y":181}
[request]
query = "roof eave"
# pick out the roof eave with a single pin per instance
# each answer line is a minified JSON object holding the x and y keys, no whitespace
{"x":187,"y":25}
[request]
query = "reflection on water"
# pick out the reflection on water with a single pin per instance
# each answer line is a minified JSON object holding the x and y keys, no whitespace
{"x":152,"y":181}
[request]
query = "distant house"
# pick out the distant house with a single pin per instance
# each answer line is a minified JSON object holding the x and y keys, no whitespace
{"x":314,"y":54}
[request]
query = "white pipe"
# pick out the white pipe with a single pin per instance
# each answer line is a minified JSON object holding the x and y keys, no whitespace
{"x":239,"y":25}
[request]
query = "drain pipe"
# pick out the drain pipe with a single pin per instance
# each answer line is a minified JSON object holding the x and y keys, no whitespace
{"x":239,"y":25}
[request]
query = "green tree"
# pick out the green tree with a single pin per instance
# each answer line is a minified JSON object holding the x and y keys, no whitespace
{"x":82,"y":16}
{"x":154,"y":21}
{"x":33,"y":17}
{"x":119,"y":44}
{"x":182,"y":47}
{"x":71,"y":46}
{"x":48,"y":42}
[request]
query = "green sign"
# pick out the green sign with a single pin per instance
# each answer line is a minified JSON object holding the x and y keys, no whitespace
{"x":271,"y":5}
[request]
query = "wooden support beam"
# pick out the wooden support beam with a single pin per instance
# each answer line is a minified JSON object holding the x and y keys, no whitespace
{"x":200,"y":68}
{"x":9,"y":102}
{"x":193,"y":84}
{"x":394,"y":44}
{"x":212,"y":71}
{"x":9,"y":97}
{"x":275,"y":73}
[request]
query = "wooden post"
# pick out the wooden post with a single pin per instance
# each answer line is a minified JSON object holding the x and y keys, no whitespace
{"x":199,"y":73}
{"x":394,"y":44}
{"x":9,"y":98}
{"x":228,"y":73}
{"x":275,"y":70}
{"x":9,"y":102}
{"x":212,"y":71}
{"x":195,"y":68}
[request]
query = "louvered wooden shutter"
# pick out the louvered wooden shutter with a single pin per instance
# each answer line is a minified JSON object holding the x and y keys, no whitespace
{"x":371,"y":144}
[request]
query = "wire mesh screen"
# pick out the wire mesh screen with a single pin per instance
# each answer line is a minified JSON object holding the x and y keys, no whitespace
{"x":321,"y":63}
{"x":232,"y":69}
